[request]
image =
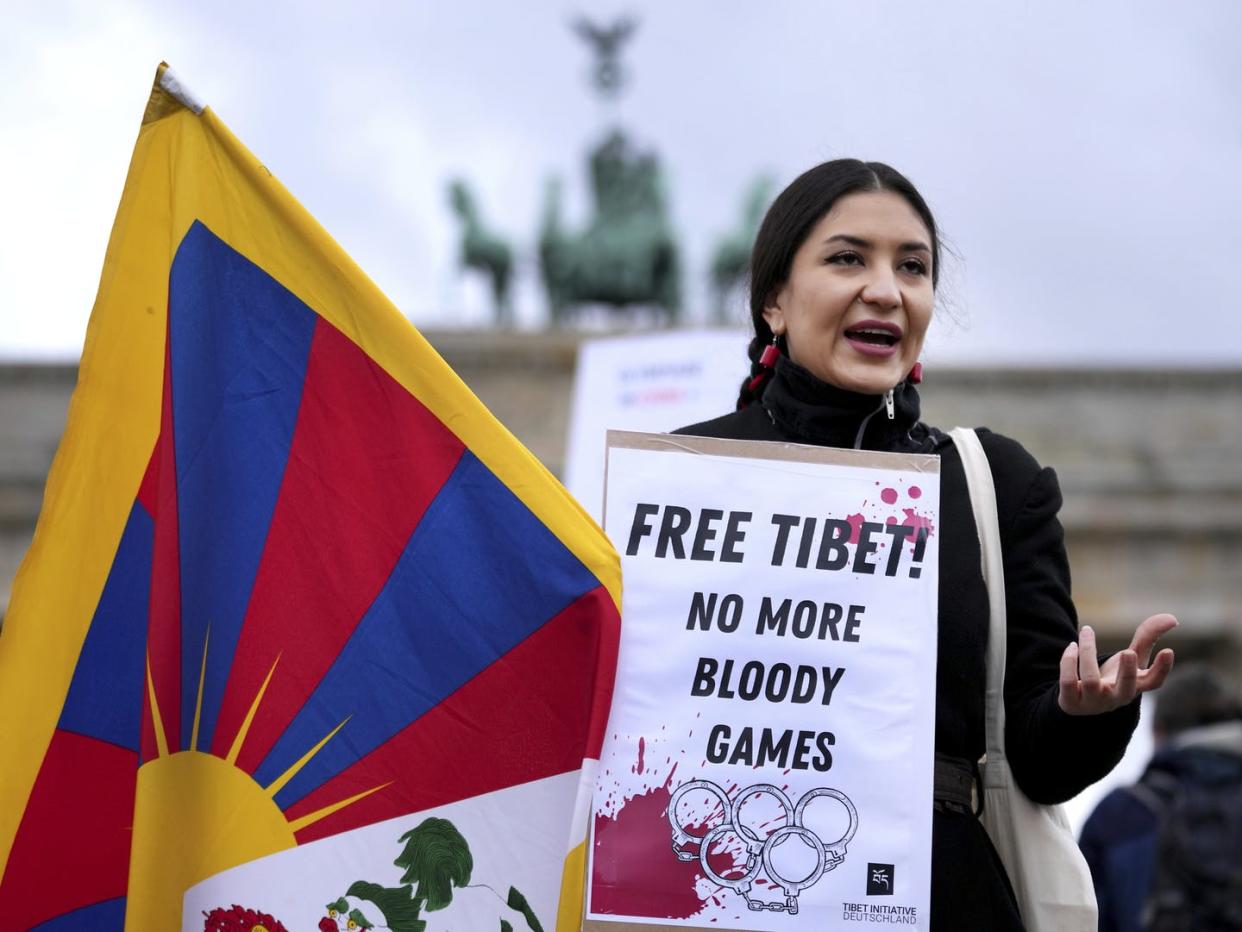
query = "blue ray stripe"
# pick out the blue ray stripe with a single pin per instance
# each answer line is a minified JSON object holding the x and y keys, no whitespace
{"x":98,"y":917}
{"x":240,"y":343}
{"x":105,"y":696}
{"x":479,"y":574}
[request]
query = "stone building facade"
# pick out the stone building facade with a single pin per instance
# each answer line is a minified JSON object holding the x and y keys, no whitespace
{"x":1150,"y":462}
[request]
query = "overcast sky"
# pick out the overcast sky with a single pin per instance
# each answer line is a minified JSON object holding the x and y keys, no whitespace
{"x":1084,"y":159}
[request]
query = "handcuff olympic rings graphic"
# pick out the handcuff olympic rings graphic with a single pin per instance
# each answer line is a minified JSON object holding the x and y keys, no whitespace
{"x":759,"y":850}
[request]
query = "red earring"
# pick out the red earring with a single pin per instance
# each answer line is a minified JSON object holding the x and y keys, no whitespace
{"x":770,"y":352}
{"x":916,"y":374}
{"x":767,"y":360}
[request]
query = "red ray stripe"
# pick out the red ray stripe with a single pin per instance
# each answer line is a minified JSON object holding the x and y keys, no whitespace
{"x":164,"y":626}
{"x":72,"y":847}
{"x":148,"y":489}
{"x":366,"y":461}
{"x":535,"y":712}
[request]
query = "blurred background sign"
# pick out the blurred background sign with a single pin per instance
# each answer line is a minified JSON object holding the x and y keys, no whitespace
{"x":649,"y":382}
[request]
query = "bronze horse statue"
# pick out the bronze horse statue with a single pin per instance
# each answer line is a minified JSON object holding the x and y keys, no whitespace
{"x":483,"y":250}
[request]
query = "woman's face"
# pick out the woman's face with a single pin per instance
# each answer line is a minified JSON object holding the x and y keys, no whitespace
{"x":859,"y":296}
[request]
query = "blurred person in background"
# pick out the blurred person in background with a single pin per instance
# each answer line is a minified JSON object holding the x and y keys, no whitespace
{"x":1166,"y":853}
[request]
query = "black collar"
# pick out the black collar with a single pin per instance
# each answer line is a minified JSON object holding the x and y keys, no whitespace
{"x":812,"y":411}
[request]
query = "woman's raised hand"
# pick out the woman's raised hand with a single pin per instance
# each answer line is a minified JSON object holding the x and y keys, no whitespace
{"x":1086,"y":688}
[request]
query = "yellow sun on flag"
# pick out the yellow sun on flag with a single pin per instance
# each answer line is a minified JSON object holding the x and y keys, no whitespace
{"x":198,"y":814}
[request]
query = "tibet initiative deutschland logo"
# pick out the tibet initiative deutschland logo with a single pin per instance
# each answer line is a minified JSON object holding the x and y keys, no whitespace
{"x":879,"y":880}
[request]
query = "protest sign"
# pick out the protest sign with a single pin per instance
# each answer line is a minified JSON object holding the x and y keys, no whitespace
{"x":768,"y":759}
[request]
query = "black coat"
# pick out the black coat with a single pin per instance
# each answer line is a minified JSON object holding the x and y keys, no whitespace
{"x":1053,"y":755}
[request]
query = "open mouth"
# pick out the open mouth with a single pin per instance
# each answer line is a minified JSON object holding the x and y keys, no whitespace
{"x":878,"y":338}
{"x":876,"y":334}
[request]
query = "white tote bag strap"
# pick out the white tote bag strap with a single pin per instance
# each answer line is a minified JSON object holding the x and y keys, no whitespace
{"x":983,"y":504}
{"x":1048,"y":872}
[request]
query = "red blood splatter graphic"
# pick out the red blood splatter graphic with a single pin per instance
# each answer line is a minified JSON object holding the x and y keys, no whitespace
{"x":889,"y":496}
{"x":915,"y":492}
{"x":916,"y":521}
{"x":855,"y":522}
{"x":636,"y":873}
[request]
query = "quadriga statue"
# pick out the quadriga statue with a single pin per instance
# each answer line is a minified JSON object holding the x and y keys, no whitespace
{"x":627,"y":254}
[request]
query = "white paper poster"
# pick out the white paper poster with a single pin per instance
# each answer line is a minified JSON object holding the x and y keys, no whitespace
{"x":768,"y":762}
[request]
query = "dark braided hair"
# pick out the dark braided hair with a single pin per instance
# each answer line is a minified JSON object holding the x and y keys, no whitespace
{"x":789,"y":222}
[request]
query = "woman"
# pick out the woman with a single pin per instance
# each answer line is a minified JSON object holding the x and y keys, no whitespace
{"x":843,"y":277}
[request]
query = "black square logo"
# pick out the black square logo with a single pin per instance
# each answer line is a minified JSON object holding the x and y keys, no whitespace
{"x":879,"y":880}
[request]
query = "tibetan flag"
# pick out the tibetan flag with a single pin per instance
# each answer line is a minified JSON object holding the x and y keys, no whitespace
{"x":305,"y":640}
